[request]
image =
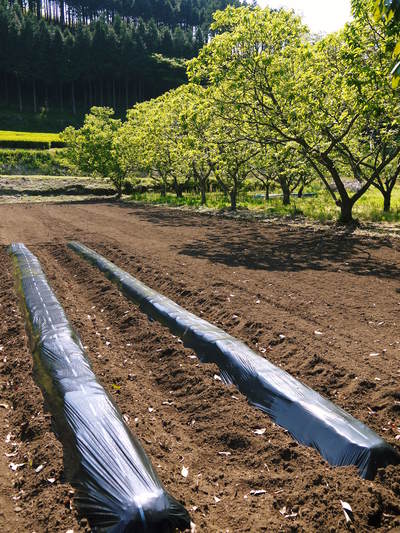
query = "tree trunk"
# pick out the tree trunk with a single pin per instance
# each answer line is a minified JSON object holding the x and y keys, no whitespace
{"x":34,"y":96}
{"x":114,"y":98}
{"x":233,"y":195}
{"x":178,"y":190}
{"x":164,"y":189}
{"x":387,"y":197}
{"x":267,"y":192}
{"x":62,"y":17}
{"x":346,"y":211}
{"x":19,"y":94}
{"x":203,"y":193}
{"x":61,"y":96}
{"x":126,"y":93}
{"x":73,"y":98}
{"x":108,"y":93}
{"x":5,"y":89}
{"x":118,"y":185}
{"x":300,"y":192}
{"x":286,"y":196}
{"x":46,"y":98}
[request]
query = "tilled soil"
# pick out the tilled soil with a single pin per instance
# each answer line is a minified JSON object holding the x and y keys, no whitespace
{"x":322,"y":305}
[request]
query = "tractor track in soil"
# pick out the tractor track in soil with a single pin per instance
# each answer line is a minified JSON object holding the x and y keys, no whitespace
{"x":256,"y":281}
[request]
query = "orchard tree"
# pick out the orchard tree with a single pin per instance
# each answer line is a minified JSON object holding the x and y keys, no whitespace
{"x":389,"y":12}
{"x":92,"y":148}
{"x":234,"y":158}
{"x":198,"y":146}
{"x":137,"y":145}
{"x":277,"y":88}
{"x":151,"y":141}
{"x":381,"y":130}
{"x":386,"y":181}
{"x":284,"y":166}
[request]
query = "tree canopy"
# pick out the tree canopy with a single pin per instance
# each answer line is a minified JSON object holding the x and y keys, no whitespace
{"x":268,"y":102}
{"x":330,"y":98}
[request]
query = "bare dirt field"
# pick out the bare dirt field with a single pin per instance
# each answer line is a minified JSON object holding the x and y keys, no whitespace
{"x":272,"y":286}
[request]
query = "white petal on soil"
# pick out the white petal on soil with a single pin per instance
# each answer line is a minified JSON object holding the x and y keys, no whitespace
{"x":51,"y":479}
{"x":260,"y":431}
{"x":39,"y":469}
{"x":257,"y":492}
{"x":347,"y":510}
{"x":217,"y":378}
{"x":15,"y":466}
{"x":318,"y":333}
{"x":216,"y":499}
{"x":185,"y":471}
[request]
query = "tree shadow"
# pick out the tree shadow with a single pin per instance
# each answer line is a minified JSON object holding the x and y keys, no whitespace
{"x":295,"y":250}
{"x":174,"y":216}
{"x":275,"y":246}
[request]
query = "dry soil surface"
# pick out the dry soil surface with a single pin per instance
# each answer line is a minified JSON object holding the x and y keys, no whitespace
{"x":272,"y":286}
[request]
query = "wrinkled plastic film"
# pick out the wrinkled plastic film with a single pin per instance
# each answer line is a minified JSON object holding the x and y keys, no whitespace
{"x":310,"y":418}
{"x":116,"y":487}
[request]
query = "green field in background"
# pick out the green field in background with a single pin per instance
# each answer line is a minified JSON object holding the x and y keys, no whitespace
{"x":28,"y":136}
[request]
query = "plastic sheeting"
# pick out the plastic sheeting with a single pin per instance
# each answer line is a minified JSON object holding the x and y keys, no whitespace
{"x":311,"y":419}
{"x":116,"y":486}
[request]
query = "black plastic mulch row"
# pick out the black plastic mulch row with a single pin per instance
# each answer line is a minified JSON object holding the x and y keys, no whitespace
{"x":310,"y":418}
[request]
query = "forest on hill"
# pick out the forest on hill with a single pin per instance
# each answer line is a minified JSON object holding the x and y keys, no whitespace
{"x":73,"y":55}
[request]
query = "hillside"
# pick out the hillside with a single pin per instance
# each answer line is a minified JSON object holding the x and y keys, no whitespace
{"x":65,"y":57}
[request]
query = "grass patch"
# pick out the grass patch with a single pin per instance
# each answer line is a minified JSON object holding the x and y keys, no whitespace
{"x":28,"y":136}
{"x":29,"y":140}
{"x":40,"y":162}
{"x":320,"y":207}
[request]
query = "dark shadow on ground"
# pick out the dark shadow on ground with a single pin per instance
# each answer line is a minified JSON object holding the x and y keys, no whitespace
{"x":268,"y":245}
{"x":171,"y":216}
{"x":295,"y":250}
{"x":276,"y":246}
